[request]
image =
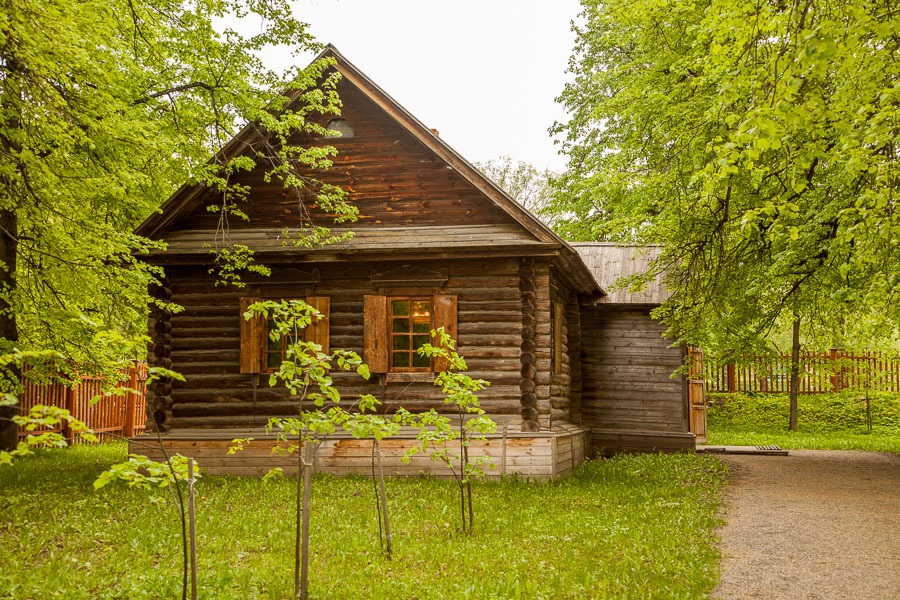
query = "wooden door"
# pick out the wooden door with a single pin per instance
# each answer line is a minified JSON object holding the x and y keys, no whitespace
{"x":697,"y":394}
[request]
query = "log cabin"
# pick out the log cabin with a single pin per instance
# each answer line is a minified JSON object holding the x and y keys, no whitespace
{"x":573,"y":369}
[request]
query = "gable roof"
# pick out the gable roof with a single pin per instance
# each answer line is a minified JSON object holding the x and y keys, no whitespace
{"x":184,"y":201}
{"x":608,"y":262}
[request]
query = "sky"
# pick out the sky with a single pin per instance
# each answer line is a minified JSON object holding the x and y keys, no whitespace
{"x":484,"y":73}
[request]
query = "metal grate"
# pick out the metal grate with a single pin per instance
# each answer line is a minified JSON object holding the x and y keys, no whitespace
{"x":768,"y":448}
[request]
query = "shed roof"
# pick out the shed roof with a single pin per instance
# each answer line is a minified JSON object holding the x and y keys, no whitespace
{"x":608,"y":262}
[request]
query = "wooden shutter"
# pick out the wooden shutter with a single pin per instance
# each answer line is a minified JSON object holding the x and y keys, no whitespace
{"x":375,"y":336}
{"x":252,"y":334}
{"x":318,"y":331}
{"x":444,"y":316}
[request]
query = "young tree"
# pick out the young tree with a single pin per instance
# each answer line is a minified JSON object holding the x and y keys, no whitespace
{"x":437,"y":431}
{"x":757,"y":141}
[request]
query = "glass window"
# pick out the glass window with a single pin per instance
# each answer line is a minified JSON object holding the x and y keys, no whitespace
{"x":341,"y":126}
{"x":411,"y":325}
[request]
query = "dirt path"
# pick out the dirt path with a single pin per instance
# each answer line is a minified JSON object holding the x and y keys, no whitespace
{"x":814,"y":524}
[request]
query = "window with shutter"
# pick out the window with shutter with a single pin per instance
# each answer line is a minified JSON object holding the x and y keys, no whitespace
{"x":397,"y":326}
{"x":260,"y":353}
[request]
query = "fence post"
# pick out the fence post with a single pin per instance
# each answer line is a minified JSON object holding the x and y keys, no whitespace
{"x":729,"y":372}
{"x":130,"y":401}
{"x":71,"y":406}
{"x":835,"y":374}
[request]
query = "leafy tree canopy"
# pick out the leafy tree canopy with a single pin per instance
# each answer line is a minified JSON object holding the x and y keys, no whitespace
{"x":106,"y":107}
{"x":525,"y":183}
{"x":757,"y":141}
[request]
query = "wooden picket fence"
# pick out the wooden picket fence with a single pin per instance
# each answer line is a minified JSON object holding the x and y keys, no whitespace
{"x":820,"y":372}
{"x":113,"y":415}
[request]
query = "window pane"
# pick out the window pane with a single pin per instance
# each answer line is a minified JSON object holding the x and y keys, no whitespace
{"x":400,"y":326}
{"x":400,"y":308}
{"x":273,"y":361}
{"x":421,"y":308}
{"x":400,"y":342}
{"x":421,"y":361}
{"x":419,"y":341}
{"x":422,"y":327}
{"x":400,"y":359}
{"x":342,"y":126}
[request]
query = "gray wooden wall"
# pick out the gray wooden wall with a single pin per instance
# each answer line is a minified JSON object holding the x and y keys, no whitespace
{"x":626,"y":372}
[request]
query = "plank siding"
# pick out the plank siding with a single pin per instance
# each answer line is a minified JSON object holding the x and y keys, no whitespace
{"x":389,"y":175}
{"x":541,"y":456}
{"x":628,"y":394}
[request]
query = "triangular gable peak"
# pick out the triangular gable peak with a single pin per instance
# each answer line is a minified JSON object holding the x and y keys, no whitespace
{"x":414,"y":192}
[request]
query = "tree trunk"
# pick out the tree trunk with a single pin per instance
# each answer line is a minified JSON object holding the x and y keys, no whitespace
{"x":9,"y":333}
{"x":795,"y":373}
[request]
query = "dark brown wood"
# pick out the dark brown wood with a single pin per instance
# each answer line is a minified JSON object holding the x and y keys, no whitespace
{"x":795,"y":374}
{"x":528,"y":358}
{"x":252,"y":337}
{"x":319,"y":331}
{"x":376,"y":334}
{"x":445,"y":309}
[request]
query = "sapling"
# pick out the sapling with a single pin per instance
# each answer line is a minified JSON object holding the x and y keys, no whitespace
{"x":305,"y":373}
{"x":365,"y":424}
{"x":436,"y":430}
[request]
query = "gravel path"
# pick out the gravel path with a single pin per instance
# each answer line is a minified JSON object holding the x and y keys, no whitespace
{"x":814,"y":524}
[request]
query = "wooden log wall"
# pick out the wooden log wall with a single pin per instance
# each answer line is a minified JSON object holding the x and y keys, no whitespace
{"x":542,"y":331}
{"x":391,"y":177}
{"x":573,"y":342}
{"x":561,"y":398}
{"x":626,"y":372}
{"x":205,"y":342}
{"x":160,"y":400}
{"x":528,"y":357}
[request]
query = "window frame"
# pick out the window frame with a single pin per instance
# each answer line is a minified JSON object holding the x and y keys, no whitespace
{"x":412,"y":352}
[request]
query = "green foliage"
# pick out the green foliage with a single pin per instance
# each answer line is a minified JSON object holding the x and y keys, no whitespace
{"x":630,"y":527}
{"x":45,"y":424}
{"x":38,"y":420}
{"x":826,"y":421}
{"x":437,"y":432}
{"x":305,"y":372}
{"x":756,"y":141}
{"x":139,"y":471}
{"x":106,"y":108}
{"x":523,"y":182}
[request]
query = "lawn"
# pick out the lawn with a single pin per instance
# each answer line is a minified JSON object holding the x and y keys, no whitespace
{"x":631,"y":527}
{"x":825,"y":421}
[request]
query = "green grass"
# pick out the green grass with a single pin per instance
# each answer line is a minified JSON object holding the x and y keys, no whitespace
{"x":631,"y":527}
{"x":825,"y":421}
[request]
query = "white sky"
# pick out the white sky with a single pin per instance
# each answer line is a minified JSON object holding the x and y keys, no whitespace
{"x":483,"y":72}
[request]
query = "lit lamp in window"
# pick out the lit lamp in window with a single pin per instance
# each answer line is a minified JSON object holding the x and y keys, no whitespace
{"x":410,"y":330}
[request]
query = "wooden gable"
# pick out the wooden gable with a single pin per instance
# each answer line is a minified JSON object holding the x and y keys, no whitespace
{"x":390,"y":176}
{"x":414,"y":193}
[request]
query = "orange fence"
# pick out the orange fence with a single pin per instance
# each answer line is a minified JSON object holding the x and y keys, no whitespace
{"x":111,"y":416}
{"x":833,"y":370}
